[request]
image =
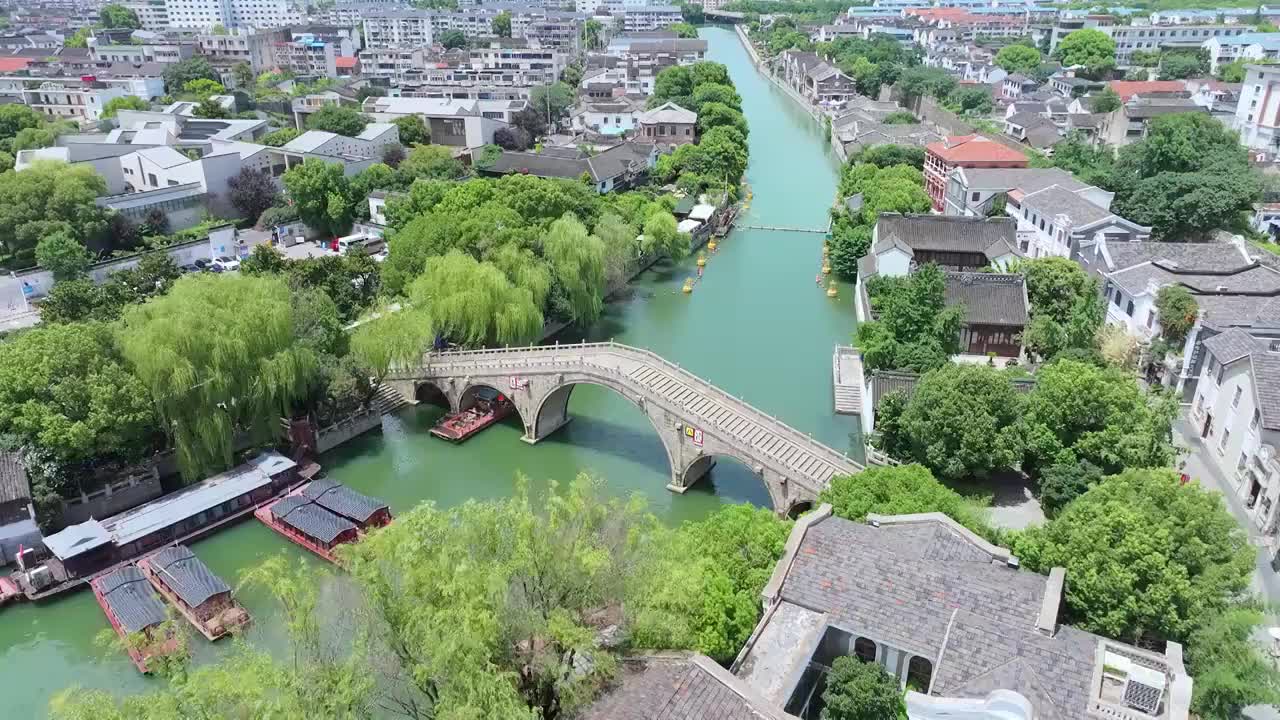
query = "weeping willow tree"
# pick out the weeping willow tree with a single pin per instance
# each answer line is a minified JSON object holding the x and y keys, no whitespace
{"x":620,"y":248}
{"x":219,"y":358}
{"x":523,"y":269}
{"x":577,"y":262}
{"x":389,"y":337}
{"x":474,"y":303}
{"x":662,"y":237}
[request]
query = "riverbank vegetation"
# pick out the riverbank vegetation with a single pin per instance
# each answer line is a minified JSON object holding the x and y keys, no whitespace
{"x":504,"y":608}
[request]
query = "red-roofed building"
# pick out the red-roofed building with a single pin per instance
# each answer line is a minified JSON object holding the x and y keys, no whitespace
{"x":347,"y":66}
{"x":1128,"y":88}
{"x":967,"y":151}
{"x":14,"y":64}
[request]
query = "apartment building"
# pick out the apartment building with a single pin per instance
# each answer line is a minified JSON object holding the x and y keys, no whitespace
{"x":1248,"y":46}
{"x":152,"y":14}
{"x":204,"y":14}
{"x":969,"y":151}
{"x":396,"y":64}
{"x":1131,"y":38}
{"x":1257,"y":115}
{"x":307,"y":56}
{"x":1059,"y":221}
{"x":650,"y":17}
{"x":241,"y":45}
{"x":102,"y":52}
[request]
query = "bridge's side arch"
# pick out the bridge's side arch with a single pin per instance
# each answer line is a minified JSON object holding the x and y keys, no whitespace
{"x":552,"y":410}
{"x":470,"y":394}
{"x":431,"y":393}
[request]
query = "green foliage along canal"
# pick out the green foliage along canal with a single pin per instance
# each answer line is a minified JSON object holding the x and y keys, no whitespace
{"x":757,"y":325}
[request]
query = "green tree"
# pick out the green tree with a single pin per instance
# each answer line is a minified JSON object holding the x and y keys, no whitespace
{"x":1066,"y":306}
{"x":577,"y":265}
{"x":714,"y":114}
{"x":127,"y":102}
{"x":692,"y":13}
{"x":683,"y":30}
{"x":1230,"y":670}
{"x":46,"y":197}
{"x":661,"y":236}
{"x":715,"y":93}
{"x":1078,"y":411}
{"x":338,"y":119}
{"x":1177,"y":311}
{"x":1063,"y":482}
{"x":264,"y":259}
{"x":474,"y":303}
{"x":79,"y":39}
{"x":1149,"y":558}
{"x":177,"y":75}
{"x":63,"y":255}
{"x":702,"y":592}
{"x":1018,"y":59}
{"x":277,"y":138}
{"x":901,"y":117}
{"x":413,"y":131}
{"x":592,"y":34}
{"x":217,"y":355}
{"x":389,"y":337}
{"x":430,"y":162}
{"x":1146,"y":58}
{"x":523,"y":580}
{"x":885,"y":156}
{"x":15,"y":117}
{"x":65,"y":389}
{"x":243,"y":74}
{"x":919,"y":81}
{"x":202,"y":88}
{"x":915,"y":329}
{"x":320,"y":192}
{"x":858,"y":690}
{"x":453,"y":39}
{"x":1232,"y":72}
{"x":34,"y":138}
{"x":118,"y":16}
{"x":898,"y":490}
{"x":673,"y":84}
{"x":1182,"y":142}
{"x":502,"y":24}
{"x":551,"y":101}
{"x":1104,"y":102}
{"x":1181,"y":65}
{"x":1090,"y":48}
{"x":961,"y":422}
{"x":969,"y":101}
{"x":1189,"y":206}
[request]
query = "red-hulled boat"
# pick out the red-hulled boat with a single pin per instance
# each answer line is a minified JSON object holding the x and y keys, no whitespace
{"x":491,"y":406}
{"x":135,"y":613}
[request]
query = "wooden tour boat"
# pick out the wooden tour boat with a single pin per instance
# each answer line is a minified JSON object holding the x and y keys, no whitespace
{"x":191,"y":587}
{"x":491,"y":406}
{"x":134,"y":612}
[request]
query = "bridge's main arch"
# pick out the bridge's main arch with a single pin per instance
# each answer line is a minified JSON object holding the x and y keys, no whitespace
{"x":695,"y":421}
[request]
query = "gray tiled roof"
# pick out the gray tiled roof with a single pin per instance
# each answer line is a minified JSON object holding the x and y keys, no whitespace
{"x":1226,"y":311}
{"x":342,"y":500}
{"x":674,"y":688}
{"x":928,"y":590}
{"x":1043,"y":135}
{"x":129,"y":596}
{"x":946,"y":233}
{"x":1255,"y":280}
{"x":1206,"y":257}
{"x":1235,"y":344}
{"x":14,"y":484}
{"x":1056,"y":200}
{"x":1028,"y":180}
{"x":988,"y":298}
{"x":187,"y":575}
{"x":303,"y":514}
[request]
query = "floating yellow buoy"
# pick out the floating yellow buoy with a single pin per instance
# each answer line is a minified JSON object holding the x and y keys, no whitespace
{"x":826,"y":269}
{"x":688,"y":286}
{"x":832,"y":290}
{"x":711,"y":245}
{"x":702,"y":260}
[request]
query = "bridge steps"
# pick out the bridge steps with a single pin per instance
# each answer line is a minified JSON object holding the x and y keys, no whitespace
{"x":388,"y":400}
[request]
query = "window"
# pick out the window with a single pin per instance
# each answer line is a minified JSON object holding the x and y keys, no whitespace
{"x":864,"y":649}
{"x":1222,"y":370}
{"x":1129,"y":309}
{"x":919,"y":674}
{"x":1253,"y":422}
{"x":1235,"y":399}
{"x":1226,"y":435}
{"x":1240,"y":464}
{"x":1151,"y":318}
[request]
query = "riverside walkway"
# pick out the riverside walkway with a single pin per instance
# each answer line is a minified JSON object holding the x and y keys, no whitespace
{"x":696,"y":421}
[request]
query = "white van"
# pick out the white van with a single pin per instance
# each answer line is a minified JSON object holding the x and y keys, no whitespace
{"x":360,"y":243}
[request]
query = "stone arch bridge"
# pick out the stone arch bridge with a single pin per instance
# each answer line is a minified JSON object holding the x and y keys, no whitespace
{"x":696,"y":421}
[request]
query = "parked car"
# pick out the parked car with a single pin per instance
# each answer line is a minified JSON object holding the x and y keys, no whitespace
{"x":190,"y":268}
{"x":202,"y":265}
{"x":226,"y":263}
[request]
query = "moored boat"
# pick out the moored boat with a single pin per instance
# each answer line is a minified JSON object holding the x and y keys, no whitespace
{"x":135,"y":613}
{"x":490,"y":407}
{"x":202,"y":597}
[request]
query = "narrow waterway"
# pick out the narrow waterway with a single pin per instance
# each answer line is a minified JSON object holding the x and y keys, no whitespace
{"x":757,"y":325}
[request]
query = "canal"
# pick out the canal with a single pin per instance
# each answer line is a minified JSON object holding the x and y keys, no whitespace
{"x":757,"y":325}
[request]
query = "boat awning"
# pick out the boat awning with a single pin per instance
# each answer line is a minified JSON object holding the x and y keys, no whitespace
{"x":702,"y":212}
{"x":304,"y":515}
{"x":342,"y":500}
{"x":688,"y":226}
{"x":128,"y":594}
{"x":187,"y":576}
{"x":75,"y":540}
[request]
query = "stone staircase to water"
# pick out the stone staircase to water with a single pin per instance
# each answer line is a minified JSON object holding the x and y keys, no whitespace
{"x":388,"y":400}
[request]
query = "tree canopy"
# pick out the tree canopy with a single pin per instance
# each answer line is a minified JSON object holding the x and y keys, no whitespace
{"x":322,"y":195}
{"x":1018,"y":59}
{"x":1148,"y":557}
{"x":1090,"y":48}
{"x":115,"y":15}
{"x":914,"y":329}
{"x":897,"y":490}
{"x":1066,"y":306}
{"x":858,"y":690}
{"x":339,"y":119}
{"x":45,"y":198}
{"x":217,"y":356}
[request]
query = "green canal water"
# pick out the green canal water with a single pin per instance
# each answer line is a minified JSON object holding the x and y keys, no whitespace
{"x":756,"y":325}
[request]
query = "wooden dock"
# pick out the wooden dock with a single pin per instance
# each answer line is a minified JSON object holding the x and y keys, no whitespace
{"x":847,"y":380}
